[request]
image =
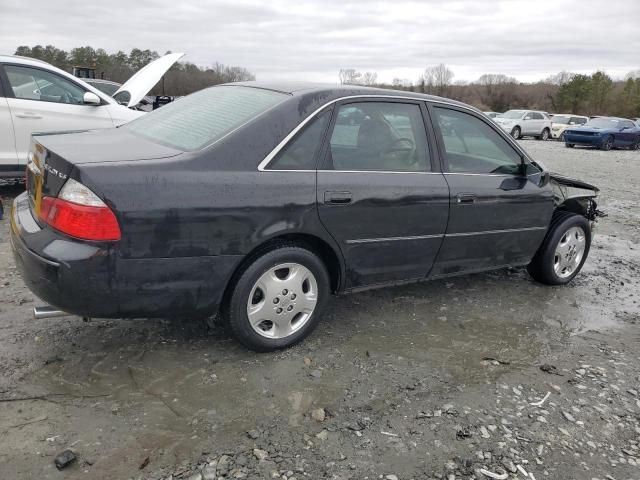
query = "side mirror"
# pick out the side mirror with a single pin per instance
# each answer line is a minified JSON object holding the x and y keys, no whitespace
{"x":90,"y":98}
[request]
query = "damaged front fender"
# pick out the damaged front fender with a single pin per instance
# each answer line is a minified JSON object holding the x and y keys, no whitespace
{"x":575,"y":196}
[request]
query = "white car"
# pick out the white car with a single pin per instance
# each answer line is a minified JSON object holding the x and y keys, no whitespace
{"x":561,"y":121}
{"x":525,"y":123}
{"x":36,"y":97}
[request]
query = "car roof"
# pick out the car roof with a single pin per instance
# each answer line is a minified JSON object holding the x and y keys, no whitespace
{"x":337,"y":91}
{"x":22,"y":60}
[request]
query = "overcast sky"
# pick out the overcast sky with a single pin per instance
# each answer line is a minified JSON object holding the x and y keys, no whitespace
{"x":312,"y":40}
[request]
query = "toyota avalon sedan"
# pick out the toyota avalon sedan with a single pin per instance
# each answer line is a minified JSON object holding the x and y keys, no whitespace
{"x":255,"y":202}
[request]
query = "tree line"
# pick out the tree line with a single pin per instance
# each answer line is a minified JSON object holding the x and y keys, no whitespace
{"x":183,"y":77}
{"x":595,"y":94}
{"x":565,"y":92}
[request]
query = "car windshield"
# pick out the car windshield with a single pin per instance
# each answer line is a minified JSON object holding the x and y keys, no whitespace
{"x":603,"y":123}
{"x":512,"y":114}
{"x":560,"y":119}
{"x":108,"y":88}
{"x":204,"y":117}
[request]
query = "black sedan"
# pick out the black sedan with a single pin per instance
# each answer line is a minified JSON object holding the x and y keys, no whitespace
{"x":256,"y":202}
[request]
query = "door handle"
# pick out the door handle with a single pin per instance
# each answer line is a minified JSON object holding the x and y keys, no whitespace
{"x":338,"y":198}
{"x":33,"y":116}
{"x":466,"y":197}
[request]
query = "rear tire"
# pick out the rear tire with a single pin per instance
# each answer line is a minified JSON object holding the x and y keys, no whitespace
{"x":278,"y":298}
{"x":544,"y":136}
{"x":515,"y":133}
{"x":563,"y":251}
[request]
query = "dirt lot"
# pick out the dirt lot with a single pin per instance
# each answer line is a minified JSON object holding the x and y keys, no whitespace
{"x":436,"y":380}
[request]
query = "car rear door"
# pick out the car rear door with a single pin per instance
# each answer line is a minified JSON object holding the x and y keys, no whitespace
{"x":43,"y":101}
{"x":379,"y":193}
{"x":498,"y":215}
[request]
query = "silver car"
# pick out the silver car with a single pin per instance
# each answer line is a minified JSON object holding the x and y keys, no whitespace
{"x":525,"y":123}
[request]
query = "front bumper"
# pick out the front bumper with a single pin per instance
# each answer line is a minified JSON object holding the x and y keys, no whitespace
{"x":577,"y":139}
{"x":91,"y":279}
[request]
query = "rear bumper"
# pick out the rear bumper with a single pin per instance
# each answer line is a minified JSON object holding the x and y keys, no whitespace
{"x":91,"y":279}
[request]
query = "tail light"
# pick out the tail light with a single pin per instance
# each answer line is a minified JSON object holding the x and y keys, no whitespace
{"x":78,"y":212}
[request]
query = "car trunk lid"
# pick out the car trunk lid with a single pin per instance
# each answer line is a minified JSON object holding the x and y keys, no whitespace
{"x":53,"y":159}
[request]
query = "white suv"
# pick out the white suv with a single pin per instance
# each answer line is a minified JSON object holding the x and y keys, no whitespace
{"x":36,"y":97}
{"x":525,"y":123}
{"x":561,"y":121}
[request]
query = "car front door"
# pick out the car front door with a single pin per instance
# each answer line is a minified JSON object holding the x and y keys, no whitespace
{"x":528,"y":124}
{"x":379,"y":192}
{"x":8,"y":156}
{"x":499,"y":214}
{"x":43,"y":101}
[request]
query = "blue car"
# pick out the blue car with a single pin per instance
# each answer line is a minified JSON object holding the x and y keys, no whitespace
{"x":605,"y":133}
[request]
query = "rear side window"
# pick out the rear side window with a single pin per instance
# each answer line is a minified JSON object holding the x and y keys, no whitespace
{"x":300,"y":153}
{"x":204,"y":117}
{"x":472,"y":146}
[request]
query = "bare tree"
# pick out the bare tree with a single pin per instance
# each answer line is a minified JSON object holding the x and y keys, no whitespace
{"x":437,"y":79}
{"x":633,"y":75}
{"x":349,"y":76}
{"x":497,"y":91}
{"x":369,"y":78}
{"x":560,"y":78}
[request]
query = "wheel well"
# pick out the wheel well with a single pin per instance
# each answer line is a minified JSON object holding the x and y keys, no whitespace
{"x":315,"y":244}
{"x":584,"y":206}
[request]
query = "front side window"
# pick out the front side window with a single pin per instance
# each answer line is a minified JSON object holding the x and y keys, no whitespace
{"x":472,"y":146}
{"x":300,"y":153}
{"x":35,"y":84}
{"x":204,"y":117}
{"x":379,"y":136}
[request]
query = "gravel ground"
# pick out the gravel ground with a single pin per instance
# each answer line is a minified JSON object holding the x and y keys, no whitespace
{"x":438,"y":380}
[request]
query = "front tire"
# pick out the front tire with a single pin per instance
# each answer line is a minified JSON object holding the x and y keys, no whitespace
{"x":561,"y":137}
{"x":278,"y":298}
{"x":607,"y":144}
{"x":563,"y":251}
{"x":569,"y":145}
{"x":516,"y":133}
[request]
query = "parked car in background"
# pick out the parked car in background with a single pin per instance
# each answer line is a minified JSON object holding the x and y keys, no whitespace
{"x":492,"y":114}
{"x":147,"y":103}
{"x":525,"y":123}
{"x":257,"y":201}
{"x":561,"y":121}
{"x":38,"y":97}
{"x":604,"y":133}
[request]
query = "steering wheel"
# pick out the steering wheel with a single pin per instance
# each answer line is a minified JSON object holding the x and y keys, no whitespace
{"x":395,"y":147}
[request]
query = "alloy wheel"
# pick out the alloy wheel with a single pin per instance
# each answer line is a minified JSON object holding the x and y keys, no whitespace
{"x":282,"y":300}
{"x":569,"y":252}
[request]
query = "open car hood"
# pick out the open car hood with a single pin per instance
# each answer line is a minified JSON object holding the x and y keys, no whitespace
{"x":134,"y":89}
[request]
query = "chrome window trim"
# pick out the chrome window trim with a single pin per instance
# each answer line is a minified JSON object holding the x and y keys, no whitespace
{"x":264,"y":163}
{"x":262,"y":167}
